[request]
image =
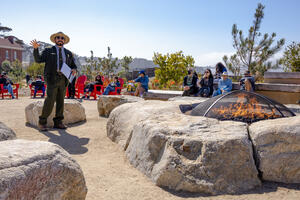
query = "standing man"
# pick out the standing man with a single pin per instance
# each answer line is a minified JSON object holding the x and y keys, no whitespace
{"x":54,"y":58}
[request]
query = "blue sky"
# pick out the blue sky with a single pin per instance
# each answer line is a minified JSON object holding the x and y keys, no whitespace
{"x":138,"y":28}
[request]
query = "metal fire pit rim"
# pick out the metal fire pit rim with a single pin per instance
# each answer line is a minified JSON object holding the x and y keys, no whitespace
{"x":253,"y":93}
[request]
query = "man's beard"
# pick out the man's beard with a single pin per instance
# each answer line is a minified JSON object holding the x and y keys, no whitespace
{"x":59,"y":43}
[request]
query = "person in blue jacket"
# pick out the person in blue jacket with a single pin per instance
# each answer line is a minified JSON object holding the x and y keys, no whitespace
{"x":112,"y":86}
{"x":224,"y":85}
{"x":142,"y":81}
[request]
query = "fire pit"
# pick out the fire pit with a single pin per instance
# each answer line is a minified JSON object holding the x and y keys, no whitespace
{"x":241,"y":106}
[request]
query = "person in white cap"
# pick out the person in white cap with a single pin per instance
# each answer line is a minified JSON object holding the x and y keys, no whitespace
{"x":54,"y":58}
{"x":224,"y":85}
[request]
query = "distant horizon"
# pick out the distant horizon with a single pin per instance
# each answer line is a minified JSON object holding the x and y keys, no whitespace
{"x":138,"y":28}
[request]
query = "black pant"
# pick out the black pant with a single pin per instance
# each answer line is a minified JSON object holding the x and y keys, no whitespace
{"x":71,"y":88}
{"x":55,"y":94}
{"x":191,"y":92}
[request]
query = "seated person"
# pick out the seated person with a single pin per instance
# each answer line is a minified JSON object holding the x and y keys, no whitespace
{"x":112,"y":86}
{"x":7,"y":84}
{"x":90,"y":87}
{"x":190,"y":84}
{"x":224,"y":85}
{"x":206,"y":84}
{"x":130,"y":88}
{"x":220,"y":69}
{"x":247,"y":82}
{"x":143,"y":82}
{"x":38,"y":85}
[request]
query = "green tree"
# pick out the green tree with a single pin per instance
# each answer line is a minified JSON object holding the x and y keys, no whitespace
{"x":253,"y":52}
{"x":109,"y":65}
{"x":5,"y":66}
{"x":233,"y":64}
{"x":92,"y":68}
{"x":172,"y":67}
{"x":105,"y":65}
{"x":35,"y":69}
{"x":17,"y":72}
{"x":125,"y":65}
{"x":291,"y":58}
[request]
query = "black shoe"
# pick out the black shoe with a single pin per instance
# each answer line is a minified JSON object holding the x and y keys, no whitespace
{"x":42,"y":127}
{"x":60,"y":126}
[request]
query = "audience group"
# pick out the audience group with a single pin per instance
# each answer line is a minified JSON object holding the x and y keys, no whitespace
{"x":210,"y":85}
{"x":102,"y":84}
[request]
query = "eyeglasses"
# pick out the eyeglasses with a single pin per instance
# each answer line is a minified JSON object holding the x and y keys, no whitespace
{"x":60,"y":37}
{"x":206,"y":72}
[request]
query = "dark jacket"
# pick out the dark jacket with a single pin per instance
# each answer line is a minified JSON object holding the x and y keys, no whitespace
{"x":144,"y":82}
{"x":209,"y":84}
{"x":194,"y":82}
{"x":38,"y":84}
{"x":49,"y":57}
{"x":5,"y":81}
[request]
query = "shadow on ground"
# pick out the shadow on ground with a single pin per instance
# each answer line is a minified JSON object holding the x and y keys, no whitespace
{"x":266,"y":187}
{"x":71,"y":143}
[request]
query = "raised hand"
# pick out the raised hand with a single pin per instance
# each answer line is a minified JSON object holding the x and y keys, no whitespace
{"x":35,"y":44}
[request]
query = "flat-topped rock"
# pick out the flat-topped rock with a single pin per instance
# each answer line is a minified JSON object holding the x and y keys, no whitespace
{"x":6,"y":133}
{"x":107,"y":103}
{"x":182,"y":152}
{"x":161,"y":94}
{"x":39,"y":170}
{"x":277,"y":147}
{"x":73,"y":112}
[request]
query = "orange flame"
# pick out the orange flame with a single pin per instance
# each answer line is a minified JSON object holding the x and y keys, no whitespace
{"x":250,"y":111}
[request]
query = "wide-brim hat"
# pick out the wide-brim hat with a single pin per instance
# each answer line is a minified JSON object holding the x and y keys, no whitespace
{"x":52,"y":37}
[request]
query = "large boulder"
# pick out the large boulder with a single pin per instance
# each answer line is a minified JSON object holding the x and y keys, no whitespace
{"x":6,"y":133}
{"x":184,"y":152}
{"x":124,"y":117}
{"x":277,"y":148}
{"x":107,"y":103}
{"x":39,"y":170}
{"x":73,"y":112}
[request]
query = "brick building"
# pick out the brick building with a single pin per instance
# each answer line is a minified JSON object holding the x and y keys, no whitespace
{"x":10,"y":50}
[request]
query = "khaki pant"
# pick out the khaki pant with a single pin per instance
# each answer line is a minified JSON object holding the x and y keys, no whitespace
{"x":55,"y":93}
{"x":139,"y":90}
